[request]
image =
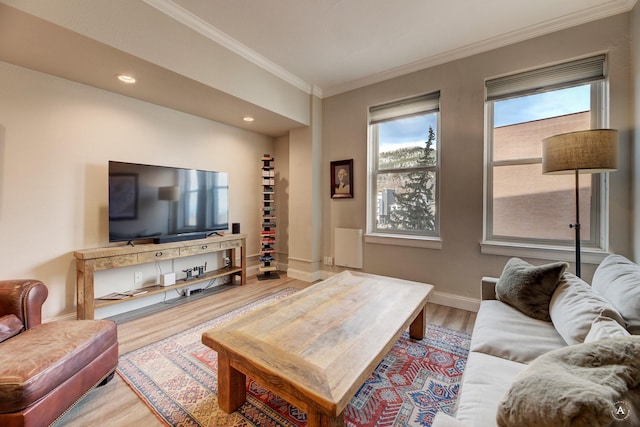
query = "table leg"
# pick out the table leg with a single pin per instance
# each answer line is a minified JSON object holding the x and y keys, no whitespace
{"x":232,"y":385}
{"x":419,"y":325}
{"x":318,"y":419}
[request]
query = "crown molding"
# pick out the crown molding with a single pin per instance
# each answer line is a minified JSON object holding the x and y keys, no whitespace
{"x":190,"y":20}
{"x":183,"y":16}
{"x":593,"y":14}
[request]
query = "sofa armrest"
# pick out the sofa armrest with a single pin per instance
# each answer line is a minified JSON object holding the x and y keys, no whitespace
{"x":23,"y":298}
{"x":488,"y":289}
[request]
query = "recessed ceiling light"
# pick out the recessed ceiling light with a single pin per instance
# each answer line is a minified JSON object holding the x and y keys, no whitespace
{"x":248,"y":119}
{"x":125,"y":78}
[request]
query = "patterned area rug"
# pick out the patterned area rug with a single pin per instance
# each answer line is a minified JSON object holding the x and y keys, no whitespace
{"x":177,"y":379}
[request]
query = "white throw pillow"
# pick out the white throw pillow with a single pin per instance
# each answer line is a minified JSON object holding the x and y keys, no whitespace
{"x":575,"y":305}
{"x":603,"y":327}
{"x":618,"y":280}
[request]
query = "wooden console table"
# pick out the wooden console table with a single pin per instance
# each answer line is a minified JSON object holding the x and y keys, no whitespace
{"x":89,"y":261}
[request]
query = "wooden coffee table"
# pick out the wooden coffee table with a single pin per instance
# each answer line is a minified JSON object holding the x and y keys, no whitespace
{"x":316,"y":347}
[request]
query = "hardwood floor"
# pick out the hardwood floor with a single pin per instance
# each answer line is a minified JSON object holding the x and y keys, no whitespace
{"x":115,"y":404}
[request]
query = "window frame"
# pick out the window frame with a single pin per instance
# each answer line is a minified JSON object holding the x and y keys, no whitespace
{"x":373,"y":234}
{"x":593,"y":250}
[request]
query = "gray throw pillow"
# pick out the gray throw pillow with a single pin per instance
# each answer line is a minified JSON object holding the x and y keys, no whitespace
{"x":529,"y":287}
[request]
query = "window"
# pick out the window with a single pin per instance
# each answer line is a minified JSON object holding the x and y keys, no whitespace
{"x":522,"y":205}
{"x":403,"y":168}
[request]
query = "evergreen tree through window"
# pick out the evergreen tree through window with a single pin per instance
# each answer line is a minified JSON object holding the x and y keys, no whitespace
{"x":404,"y":162}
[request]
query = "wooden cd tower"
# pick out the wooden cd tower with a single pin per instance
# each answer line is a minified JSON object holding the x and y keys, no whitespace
{"x":268,"y":268}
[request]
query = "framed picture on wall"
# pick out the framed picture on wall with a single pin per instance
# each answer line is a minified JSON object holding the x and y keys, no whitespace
{"x":341,"y":179}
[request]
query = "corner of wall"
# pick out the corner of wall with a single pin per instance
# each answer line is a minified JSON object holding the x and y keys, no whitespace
{"x":635,"y":134}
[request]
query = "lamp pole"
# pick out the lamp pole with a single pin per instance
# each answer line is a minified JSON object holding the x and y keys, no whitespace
{"x":590,"y":151}
{"x":577,"y":225}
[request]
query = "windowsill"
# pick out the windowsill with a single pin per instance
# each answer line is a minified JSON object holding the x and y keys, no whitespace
{"x":548,"y":252}
{"x":403,"y":240}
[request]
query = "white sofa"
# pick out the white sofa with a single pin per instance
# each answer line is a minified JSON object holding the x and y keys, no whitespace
{"x":505,"y":341}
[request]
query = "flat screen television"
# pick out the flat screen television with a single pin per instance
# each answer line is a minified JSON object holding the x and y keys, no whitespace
{"x":165,"y":203}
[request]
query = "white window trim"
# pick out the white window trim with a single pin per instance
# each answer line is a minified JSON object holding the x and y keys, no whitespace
{"x":589,"y":255}
{"x":413,"y":241}
{"x":401,"y":239}
{"x":531,"y":248}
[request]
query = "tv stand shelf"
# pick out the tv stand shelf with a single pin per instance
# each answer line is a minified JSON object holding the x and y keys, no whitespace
{"x":151,"y":290}
{"x":89,"y":261}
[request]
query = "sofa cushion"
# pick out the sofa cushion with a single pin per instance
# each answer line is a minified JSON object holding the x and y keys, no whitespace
{"x":486,"y":379}
{"x":575,"y":305}
{"x":605,"y":327}
{"x":49,"y":354}
{"x":10,"y":326}
{"x":618,"y":280}
{"x":503,"y":331}
{"x":529,"y":287}
{"x":444,"y":420}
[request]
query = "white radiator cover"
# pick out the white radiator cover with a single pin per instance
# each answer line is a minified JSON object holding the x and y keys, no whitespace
{"x":348,"y":247}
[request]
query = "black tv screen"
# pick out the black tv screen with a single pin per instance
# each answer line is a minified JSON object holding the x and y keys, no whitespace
{"x":165,"y":203}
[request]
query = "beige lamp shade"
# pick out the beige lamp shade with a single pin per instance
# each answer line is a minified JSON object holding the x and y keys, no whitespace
{"x":588,"y":151}
{"x":171,"y":194}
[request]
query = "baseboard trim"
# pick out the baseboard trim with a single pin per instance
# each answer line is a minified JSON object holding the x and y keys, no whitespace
{"x":455,"y":301}
{"x":69,"y":316}
{"x":305,"y":276}
{"x":253,"y":271}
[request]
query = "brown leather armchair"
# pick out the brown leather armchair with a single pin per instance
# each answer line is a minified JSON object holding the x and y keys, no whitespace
{"x":24,"y":299}
{"x":45,"y":368}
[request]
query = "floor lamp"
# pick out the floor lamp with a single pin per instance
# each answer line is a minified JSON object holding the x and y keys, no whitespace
{"x":170,"y":194}
{"x":587,"y":152}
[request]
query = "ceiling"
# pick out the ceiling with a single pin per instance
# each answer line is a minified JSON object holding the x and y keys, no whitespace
{"x":324,"y":47}
{"x":338,"y":45}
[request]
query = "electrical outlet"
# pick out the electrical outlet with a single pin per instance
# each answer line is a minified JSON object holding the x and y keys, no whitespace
{"x":137,"y":277}
{"x":328,"y":260}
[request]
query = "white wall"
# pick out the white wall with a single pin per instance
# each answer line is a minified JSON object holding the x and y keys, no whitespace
{"x":281,"y":155}
{"x":56,"y":138}
{"x":456,"y":269}
{"x":305,"y":198}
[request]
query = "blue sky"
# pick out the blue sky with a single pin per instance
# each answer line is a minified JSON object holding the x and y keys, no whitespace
{"x":542,"y":105}
{"x":407,"y":132}
{"x":413,"y":130}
